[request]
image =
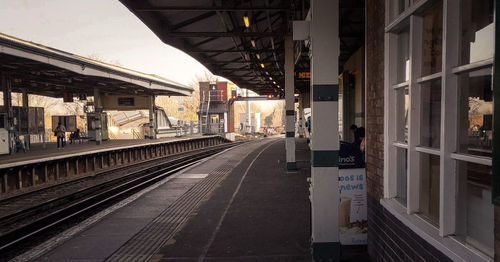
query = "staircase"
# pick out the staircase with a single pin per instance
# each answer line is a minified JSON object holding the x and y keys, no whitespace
{"x":204,"y":107}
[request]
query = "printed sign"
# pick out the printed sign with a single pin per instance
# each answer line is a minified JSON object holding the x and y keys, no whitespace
{"x":352,"y":185}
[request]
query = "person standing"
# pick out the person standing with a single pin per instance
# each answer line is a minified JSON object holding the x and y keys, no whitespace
{"x":60,"y":133}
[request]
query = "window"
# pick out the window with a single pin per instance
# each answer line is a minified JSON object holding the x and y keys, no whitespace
{"x":474,"y":207}
{"x":477,"y":30}
{"x":440,"y":120}
{"x":432,"y":39}
{"x":476,"y":113}
{"x":431,"y":113}
{"x":429,"y":187}
{"x":402,"y":169}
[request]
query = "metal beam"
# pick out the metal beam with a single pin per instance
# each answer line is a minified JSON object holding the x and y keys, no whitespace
{"x":214,"y":8}
{"x":224,"y":34}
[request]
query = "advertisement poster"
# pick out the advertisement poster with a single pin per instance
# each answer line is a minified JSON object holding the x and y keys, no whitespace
{"x":353,"y":207}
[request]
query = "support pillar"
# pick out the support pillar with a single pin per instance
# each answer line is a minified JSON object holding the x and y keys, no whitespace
{"x":301,"y":116}
{"x":152,"y":117}
{"x":325,"y":197}
{"x":248,"y":128}
{"x":7,"y":101}
{"x":97,"y":119}
{"x":26,"y":105}
{"x":290,"y":104}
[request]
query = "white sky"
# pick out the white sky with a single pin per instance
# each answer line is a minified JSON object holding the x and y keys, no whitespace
{"x":104,"y":28}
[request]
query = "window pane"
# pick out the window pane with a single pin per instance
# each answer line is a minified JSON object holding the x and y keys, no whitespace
{"x":432,"y":39}
{"x":477,"y":30}
{"x":429,"y":187}
{"x":402,"y":167}
{"x":402,"y":104}
{"x":403,"y":56}
{"x":431,"y":113}
{"x":476,"y":113}
{"x":475,"y":217}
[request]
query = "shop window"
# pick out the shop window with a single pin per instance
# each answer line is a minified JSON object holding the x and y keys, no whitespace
{"x":402,"y":105}
{"x":402,"y":170}
{"x":477,"y":30}
{"x":431,"y":114}
{"x":476,"y":113}
{"x":403,"y":66}
{"x":474,"y":208}
{"x":432,"y":39}
{"x":429,"y":187}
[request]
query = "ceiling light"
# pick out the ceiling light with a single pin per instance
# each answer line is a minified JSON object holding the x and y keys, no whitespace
{"x":262,"y":65}
{"x":258,"y":56}
{"x":274,"y":82}
{"x":253,"y":43}
{"x":270,"y":78}
{"x":246,"y":20}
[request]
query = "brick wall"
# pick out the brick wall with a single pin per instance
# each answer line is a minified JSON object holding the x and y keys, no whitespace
{"x":388,"y":238}
{"x":375,"y":97}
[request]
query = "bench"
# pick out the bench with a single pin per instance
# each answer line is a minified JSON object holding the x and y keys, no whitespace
{"x":82,"y":136}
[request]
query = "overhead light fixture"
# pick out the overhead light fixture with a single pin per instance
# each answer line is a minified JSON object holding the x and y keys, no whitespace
{"x":278,"y":86}
{"x":258,"y":56}
{"x":270,"y":78}
{"x":253,"y":42}
{"x":267,"y":73}
{"x":274,"y":82}
{"x":246,"y":20}
{"x":262,"y":65}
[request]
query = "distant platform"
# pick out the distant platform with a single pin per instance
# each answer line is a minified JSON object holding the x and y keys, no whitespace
{"x":38,"y":152}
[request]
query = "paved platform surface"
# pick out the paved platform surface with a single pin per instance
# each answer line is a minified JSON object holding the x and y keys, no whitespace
{"x":259,"y":213}
{"x":37,"y":151}
{"x":240,"y":205}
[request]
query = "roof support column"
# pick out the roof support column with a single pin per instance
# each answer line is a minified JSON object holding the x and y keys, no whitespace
{"x":325,"y":197}
{"x":98,"y":111}
{"x":301,"y":116}
{"x":7,"y":101}
{"x":152,"y":118}
{"x":289,"y":104}
{"x":26,"y":105}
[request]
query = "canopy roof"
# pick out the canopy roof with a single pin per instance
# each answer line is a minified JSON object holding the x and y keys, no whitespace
{"x":50,"y":72}
{"x":214,"y":33}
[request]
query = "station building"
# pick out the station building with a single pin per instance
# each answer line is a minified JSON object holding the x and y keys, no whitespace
{"x":418,"y":74}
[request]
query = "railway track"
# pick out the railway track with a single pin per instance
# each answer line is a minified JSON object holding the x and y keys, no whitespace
{"x":19,"y":230}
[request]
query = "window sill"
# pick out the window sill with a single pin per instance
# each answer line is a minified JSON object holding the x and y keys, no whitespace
{"x":449,"y":246}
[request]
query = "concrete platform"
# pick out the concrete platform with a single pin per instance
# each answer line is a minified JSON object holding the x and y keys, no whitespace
{"x":240,"y":205}
{"x":38,"y":152}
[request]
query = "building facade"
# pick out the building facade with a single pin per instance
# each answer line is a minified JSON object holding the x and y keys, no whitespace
{"x":429,"y":130}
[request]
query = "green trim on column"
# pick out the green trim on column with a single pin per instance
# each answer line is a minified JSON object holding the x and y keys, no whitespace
{"x":326,"y":251}
{"x":325,"y":93}
{"x":496,"y":112}
{"x":290,"y":134}
{"x":290,"y":112}
{"x":325,"y":158}
{"x":291,"y":166}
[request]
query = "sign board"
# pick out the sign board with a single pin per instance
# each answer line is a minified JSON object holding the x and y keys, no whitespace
{"x":353,"y":203}
{"x":125,"y":103}
{"x":304,"y":75}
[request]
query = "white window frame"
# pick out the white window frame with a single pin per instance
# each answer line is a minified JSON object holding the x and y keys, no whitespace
{"x":442,"y":236}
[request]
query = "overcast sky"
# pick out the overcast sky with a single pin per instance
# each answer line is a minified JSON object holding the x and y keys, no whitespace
{"x":102,"y":28}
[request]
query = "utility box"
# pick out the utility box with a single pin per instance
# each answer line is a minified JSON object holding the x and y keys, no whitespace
{"x":97,"y":121}
{"x":4,"y":141}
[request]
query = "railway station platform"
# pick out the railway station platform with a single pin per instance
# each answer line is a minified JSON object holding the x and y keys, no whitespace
{"x":37,"y":152}
{"x":239,"y":205}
